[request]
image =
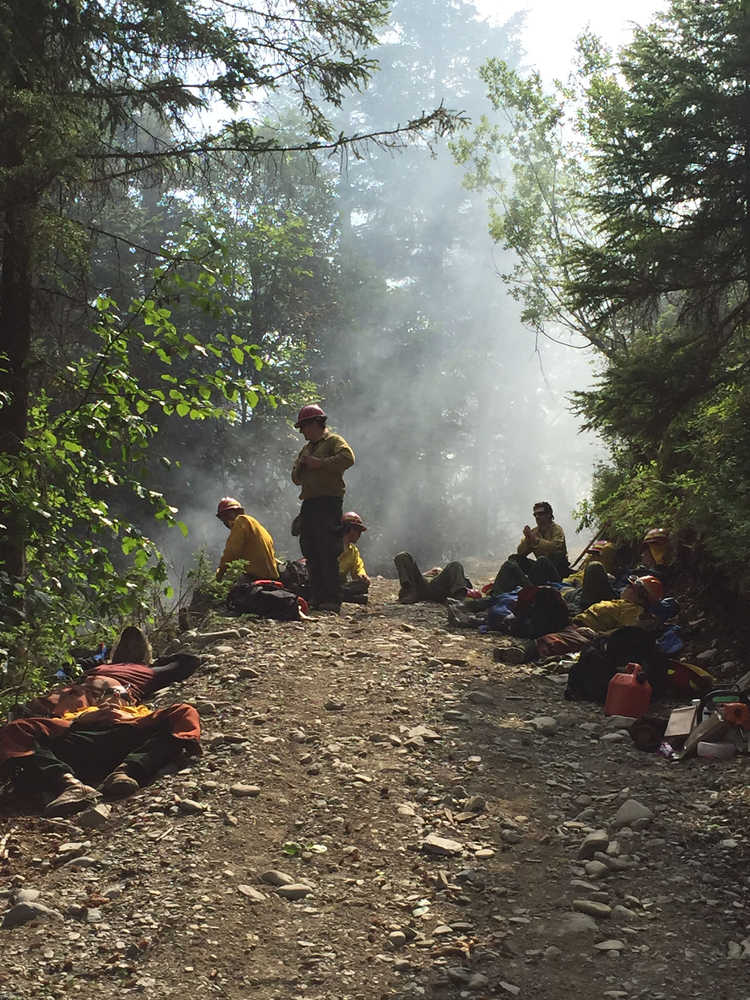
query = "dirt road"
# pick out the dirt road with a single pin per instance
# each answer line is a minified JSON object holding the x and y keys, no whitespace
{"x":426,"y":838}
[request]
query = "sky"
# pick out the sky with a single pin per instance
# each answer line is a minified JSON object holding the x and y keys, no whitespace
{"x":552,"y":26}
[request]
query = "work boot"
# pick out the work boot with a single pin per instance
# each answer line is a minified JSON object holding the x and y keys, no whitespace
{"x":73,"y":799}
{"x":457,"y":615}
{"x":408,"y":595}
{"x":356,"y":599}
{"x":513,"y":655}
{"x":119,"y":783}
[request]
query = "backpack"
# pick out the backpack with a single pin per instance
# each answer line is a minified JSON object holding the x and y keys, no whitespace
{"x":501,"y":611}
{"x":544,"y":612}
{"x":265,"y":598}
{"x":633,"y":644}
{"x":589,"y":677}
{"x":295,"y":576}
{"x":529,"y":612}
{"x":601,"y":659}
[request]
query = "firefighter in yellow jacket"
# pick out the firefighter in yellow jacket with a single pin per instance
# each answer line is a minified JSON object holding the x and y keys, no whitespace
{"x":248,"y":540}
{"x":633,"y":608}
{"x":545,"y":539}
{"x":355,"y":583}
{"x":319,"y":470}
{"x":546,"y":543}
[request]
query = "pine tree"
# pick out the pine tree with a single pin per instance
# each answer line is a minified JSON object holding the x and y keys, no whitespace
{"x":82,"y":83}
{"x":629,"y":208}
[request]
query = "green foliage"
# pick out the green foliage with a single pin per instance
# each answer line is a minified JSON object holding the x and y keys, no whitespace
{"x":90,"y":432}
{"x":630,"y":500}
{"x":202,"y":577}
{"x":170,"y":62}
{"x":629,"y":184}
{"x":698,"y":482}
{"x":629,"y":211}
{"x":269,"y":234}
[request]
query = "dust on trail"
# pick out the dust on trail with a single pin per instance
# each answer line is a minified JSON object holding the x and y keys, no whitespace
{"x":428,"y":834}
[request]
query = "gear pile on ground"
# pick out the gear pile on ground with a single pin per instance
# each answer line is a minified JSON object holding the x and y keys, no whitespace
{"x":383,"y":811}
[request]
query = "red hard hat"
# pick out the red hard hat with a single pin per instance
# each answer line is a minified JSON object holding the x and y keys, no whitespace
{"x":227,"y":504}
{"x":310,"y":412}
{"x":651,"y":584}
{"x":352,"y":520}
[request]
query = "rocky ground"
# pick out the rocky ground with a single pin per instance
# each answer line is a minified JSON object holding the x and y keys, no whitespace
{"x":383,"y":811}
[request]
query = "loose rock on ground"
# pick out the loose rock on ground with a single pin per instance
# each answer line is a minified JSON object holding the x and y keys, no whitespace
{"x":379,"y":812}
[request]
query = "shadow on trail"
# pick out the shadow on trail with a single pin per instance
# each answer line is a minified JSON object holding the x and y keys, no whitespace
{"x":518,"y":804}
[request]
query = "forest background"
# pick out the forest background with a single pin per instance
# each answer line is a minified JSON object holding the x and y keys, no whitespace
{"x":212,"y":217}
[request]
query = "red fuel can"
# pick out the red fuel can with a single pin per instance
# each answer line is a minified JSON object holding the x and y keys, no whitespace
{"x":629,"y":693}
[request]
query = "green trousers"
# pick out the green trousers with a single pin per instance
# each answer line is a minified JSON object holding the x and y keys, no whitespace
{"x":92,"y":754}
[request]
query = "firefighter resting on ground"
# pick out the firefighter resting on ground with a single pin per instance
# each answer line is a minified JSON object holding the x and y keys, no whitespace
{"x":96,"y":731}
{"x":634,"y":608}
{"x":435,"y":586}
{"x":353,"y":578}
{"x":130,"y":666}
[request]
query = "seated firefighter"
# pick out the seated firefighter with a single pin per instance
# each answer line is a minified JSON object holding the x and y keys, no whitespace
{"x":436,"y":586}
{"x":353,"y":579}
{"x":595,"y":586}
{"x":602,"y":551}
{"x":657,"y":554}
{"x":546,"y":544}
{"x":97,"y":731}
{"x":248,"y":540}
{"x":635,"y":608}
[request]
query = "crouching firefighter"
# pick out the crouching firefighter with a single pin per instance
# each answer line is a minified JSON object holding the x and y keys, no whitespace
{"x":353,"y":579}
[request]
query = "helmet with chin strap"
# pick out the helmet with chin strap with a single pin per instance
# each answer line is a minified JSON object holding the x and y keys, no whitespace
{"x":650,"y":586}
{"x":310,"y":412}
{"x":352,"y":520}
{"x":227,"y":504}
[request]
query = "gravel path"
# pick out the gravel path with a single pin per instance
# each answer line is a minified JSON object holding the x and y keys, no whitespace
{"x":382,"y":811}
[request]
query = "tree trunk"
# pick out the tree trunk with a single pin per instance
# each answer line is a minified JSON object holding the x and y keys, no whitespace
{"x":21,"y":194}
{"x":15,"y":343}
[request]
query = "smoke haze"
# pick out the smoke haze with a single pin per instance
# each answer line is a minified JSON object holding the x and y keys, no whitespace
{"x":459,"y":419}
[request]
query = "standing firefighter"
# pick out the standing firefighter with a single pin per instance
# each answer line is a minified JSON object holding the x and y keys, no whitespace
{"x":319,"y":470}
